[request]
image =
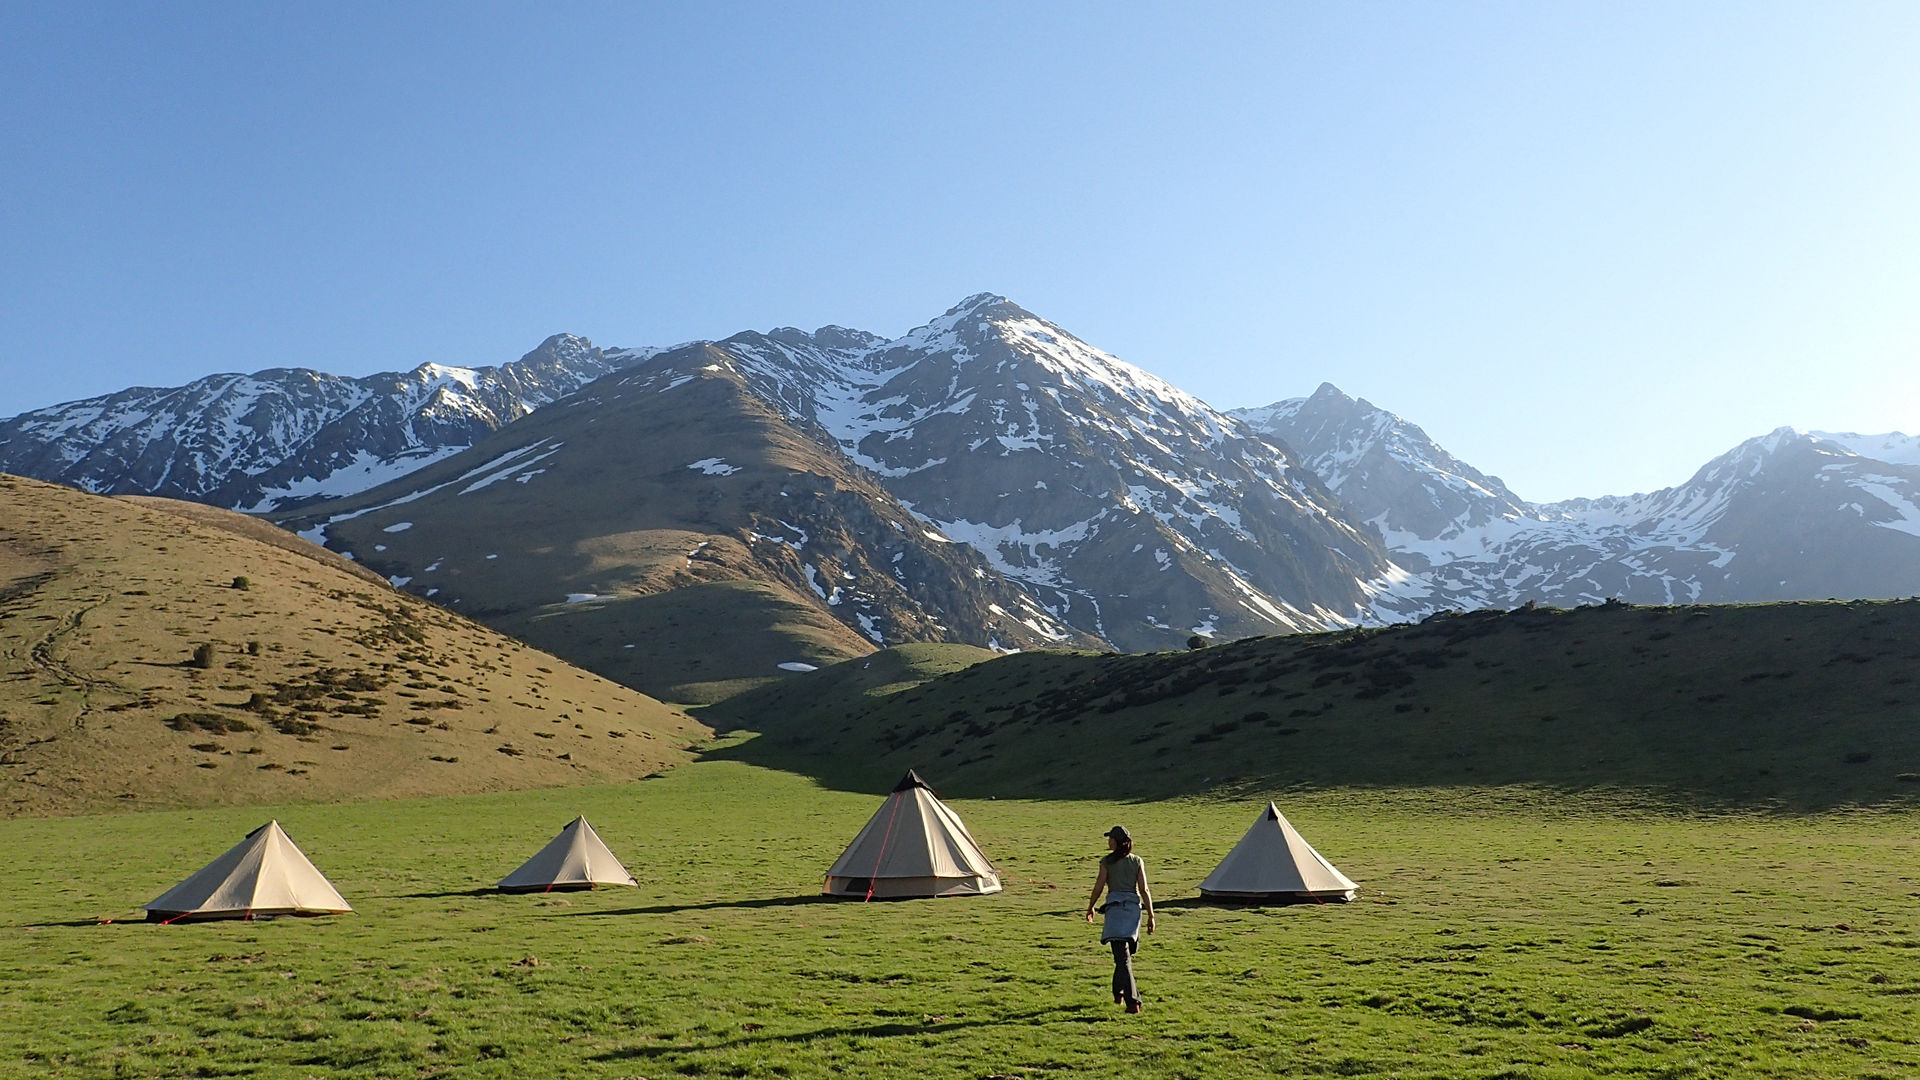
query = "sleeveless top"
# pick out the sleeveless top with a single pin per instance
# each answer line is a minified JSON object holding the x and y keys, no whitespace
{"x":1123,"y":875}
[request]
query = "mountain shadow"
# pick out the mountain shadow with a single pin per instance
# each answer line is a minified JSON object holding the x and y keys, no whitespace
{"x":1795,"y":707}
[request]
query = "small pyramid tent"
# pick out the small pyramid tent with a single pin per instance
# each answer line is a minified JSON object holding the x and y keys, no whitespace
{"x":912,"y":846}
{"x":1274,"y":862}
{"x":576,"y":859}
{"x":265,"y":874}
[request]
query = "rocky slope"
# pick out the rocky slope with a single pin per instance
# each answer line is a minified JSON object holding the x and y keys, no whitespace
{"x":1130,"y":510}
{"x":281,"y":436}
{"x":985,"y":479}
{"x":676,"y":532}
{"x":1386,"y":469}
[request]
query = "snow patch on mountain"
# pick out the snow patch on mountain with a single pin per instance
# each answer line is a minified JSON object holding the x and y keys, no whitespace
{"x":361,"y":472}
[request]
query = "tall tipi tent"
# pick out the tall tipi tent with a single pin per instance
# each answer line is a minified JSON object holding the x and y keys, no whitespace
{"x":913,"y":846}
{"x":1274,"y":862}
{"x":576,"y":859}
{"x":265,"y":874}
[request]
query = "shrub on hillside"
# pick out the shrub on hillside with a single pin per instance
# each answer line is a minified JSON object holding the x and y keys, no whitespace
{"x":213,"y":722}
{"x":292,"y":725}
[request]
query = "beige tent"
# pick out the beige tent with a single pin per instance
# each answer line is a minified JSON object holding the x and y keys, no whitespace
{"x":265,"y":874}
{"x":576,"y":859}
{"x":914,"y":846}
{"x":1273,"y":862}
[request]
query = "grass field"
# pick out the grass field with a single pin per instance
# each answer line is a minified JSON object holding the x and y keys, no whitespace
{"x":1499,"y":933}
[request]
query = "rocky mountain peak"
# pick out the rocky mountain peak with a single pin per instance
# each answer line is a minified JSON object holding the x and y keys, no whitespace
{"x":562,"y":344}
{"x":979,"y":303}
{"x":843,"y":338}
{"x":1387,"y":469}
{"x":1126,"y":508}
{"x":1791,"y":514}
{"x":834,"y":338}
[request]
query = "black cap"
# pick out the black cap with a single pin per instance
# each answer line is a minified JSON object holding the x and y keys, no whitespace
{"x":1119,"y":832}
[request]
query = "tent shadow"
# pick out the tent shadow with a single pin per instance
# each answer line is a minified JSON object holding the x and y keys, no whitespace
{"x":1187,"y":902}
{"x":134,"y":920}
{"x":871,"y":1031}
{"x":670,"y":909}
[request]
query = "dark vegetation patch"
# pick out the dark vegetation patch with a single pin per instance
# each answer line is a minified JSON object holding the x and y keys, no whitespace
{"x":203,"y":721}
{"x":1772,"y":706}
{"x":1813,"y":1012}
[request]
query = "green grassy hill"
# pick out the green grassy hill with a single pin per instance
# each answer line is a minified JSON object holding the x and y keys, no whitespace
{"x":156,"y":654}
{"x":696,"y":643}
{"x":1796,"y":706}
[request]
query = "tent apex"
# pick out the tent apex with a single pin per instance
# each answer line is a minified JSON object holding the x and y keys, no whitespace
{"x":910,"y":781}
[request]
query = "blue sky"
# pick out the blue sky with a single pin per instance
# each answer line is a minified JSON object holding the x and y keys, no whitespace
{"x":1587,"y":246}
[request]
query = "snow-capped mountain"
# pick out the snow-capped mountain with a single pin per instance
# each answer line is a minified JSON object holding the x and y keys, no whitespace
{"x":671,"y":528}
{"x":1388,"y":470}
{"x":987,"y":477}
{"x":1788,"y":515}
{"x":285,"y":435}
{"x":1131,"y":510}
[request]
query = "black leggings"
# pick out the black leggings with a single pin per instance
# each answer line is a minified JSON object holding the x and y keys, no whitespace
{"x":1123,"y":987}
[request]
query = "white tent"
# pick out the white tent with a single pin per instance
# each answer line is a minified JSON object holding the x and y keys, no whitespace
{"x":265,"y":874}
{"x":1273,"y":862}
{"x":576,"y":859}
{"x":913,"y":846}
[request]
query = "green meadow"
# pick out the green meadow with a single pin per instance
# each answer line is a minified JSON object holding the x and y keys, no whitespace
{"x":1500,"y":932}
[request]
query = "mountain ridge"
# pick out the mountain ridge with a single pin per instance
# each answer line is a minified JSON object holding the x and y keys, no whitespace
{"x":1789,"y":515}
{"x":282,"y":436}
{"x":1118,"y":509}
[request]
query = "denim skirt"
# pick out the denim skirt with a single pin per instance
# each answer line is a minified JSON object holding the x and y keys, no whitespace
{"x":1122,"y":921}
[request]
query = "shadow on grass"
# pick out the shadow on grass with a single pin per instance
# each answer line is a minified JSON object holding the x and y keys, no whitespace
{"x":716,"y":905}
{"x":870,"y":1031}
{"x":1188,"y":902}
{"x":1782,"y":709}
{"x":137,"y":920}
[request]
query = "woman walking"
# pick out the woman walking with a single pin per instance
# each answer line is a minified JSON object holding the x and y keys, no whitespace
{"x":1123,"y":877}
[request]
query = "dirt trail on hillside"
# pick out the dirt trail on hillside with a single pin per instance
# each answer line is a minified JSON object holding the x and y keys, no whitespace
{"x":43,"y":656}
